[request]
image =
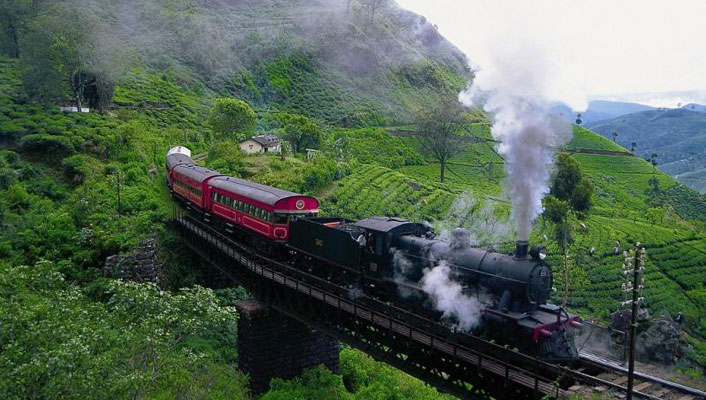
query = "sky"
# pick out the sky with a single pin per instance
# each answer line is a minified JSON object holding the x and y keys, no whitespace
{"x":652,"y":52}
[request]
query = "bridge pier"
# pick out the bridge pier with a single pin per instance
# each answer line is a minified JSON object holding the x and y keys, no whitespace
{"x":272,"y":345}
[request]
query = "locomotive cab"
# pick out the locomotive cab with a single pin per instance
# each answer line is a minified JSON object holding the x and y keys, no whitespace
{"x":381,"y":234}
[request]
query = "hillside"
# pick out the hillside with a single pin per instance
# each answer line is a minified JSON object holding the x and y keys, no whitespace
{"x":695,"y":107}
{"x":599,"y":110}
{"x":332,"y":60}
{"x":76,"y":188}
{"x":676,"y":136}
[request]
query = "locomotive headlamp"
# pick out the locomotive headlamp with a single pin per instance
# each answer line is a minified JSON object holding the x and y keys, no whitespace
{"x":538,"y":252}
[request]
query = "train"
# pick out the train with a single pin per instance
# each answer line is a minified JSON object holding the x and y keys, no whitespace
{"x":385,"y":258}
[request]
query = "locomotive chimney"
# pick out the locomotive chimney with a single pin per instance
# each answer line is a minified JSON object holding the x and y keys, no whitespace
{"x":521,"y":247}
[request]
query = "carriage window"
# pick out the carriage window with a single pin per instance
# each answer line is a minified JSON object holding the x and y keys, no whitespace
{"x":280,"y":219}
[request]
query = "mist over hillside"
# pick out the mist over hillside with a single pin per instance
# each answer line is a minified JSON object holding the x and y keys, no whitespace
{"x":694,"y":107}
{"x":676,"y":136}
{"x":335,"y":60}
{"x":599,"y":110}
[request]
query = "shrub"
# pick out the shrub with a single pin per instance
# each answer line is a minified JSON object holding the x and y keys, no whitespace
{"x":47,"y":143}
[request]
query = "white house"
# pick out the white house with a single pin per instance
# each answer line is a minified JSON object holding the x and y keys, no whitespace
{"x":262,"y":144}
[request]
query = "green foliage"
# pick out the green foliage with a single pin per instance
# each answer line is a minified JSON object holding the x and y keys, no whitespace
{"x":439,"y":132}
{"x":76,"y":168}
{"x":684,"y":201}
{"x":376,"y":190}
{"x":231,"y":118}
{"x":50,"y":144}
{"x":369,"y":379}
{"x":375,"y":146}
{"x":567,"y":175}
{"x":586,"y":141}
{"x":316,"y":383}
{"x":555,"y":210}
{"x":362,"y":379}
{"x":137,"y":341}
{"x":301,"y":132}
{"x":226,"y":157}
{"x":61,"y":51}
{"x":302,"y":177}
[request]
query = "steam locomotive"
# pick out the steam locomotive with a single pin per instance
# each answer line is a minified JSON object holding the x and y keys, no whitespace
{"x":384,"y":258}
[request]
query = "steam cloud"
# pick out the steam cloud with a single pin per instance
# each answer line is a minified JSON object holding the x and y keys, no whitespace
{"x":487,"y":221}
{"x":517,"y":91}
{"x":448,"y":297}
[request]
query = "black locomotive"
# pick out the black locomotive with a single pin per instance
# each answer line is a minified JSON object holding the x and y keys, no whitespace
{"x":387,"y":257}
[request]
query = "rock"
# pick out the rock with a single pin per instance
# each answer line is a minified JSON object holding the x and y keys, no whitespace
{"x":620,"y":320}
{"x":139,"y":265}
{"x":661,"y":341}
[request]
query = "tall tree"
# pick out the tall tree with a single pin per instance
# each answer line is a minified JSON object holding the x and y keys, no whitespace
{"x":301,"y":132}
{"x":232,"y":118}
{"x":615,"y":135}
{"x":570,"y":194}
{"x":439,"y":130}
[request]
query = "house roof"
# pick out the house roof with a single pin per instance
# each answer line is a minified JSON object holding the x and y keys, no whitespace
{"x":266,"y":140}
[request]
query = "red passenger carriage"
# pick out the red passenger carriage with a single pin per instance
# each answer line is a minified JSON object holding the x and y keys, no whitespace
{"x":236,"y":202}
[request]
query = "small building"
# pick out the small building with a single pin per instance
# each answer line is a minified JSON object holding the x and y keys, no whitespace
{"x":262,"y":144}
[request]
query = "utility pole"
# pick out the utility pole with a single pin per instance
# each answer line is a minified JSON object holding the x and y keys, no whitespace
{"x":637,"y":269}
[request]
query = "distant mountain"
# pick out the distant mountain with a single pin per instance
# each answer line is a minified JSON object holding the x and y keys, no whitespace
{"x":600,"y":110}
{"x":677,"y":136}
{"x":695,"y":107}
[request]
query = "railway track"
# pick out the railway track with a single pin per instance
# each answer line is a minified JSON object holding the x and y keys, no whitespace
{"x":613,"y":378}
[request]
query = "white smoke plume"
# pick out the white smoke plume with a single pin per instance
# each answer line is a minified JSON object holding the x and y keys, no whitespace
{"x":516,"y":88}
{"x":447,"y":296}
{"x":486,"y":219}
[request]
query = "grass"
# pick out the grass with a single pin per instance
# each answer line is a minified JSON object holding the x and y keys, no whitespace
{"x":376,"y":190}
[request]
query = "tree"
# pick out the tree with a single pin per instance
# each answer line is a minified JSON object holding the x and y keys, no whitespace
{"x":615,"y":135}
{"x":633,"y":145}
{"x":301,"y":132}
{"x":578,"y":119}
{"x":371,"y":7}
{"x":64,"y":49}
{"x":570,"y":194}
{"x":232,"y":118}
{"x":438,"y":132}
{"x":653,"y":161}
{"x":14,"y":15}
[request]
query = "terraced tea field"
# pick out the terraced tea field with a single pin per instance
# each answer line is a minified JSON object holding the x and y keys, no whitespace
{"x":676,"y":250}
{"x":376,"y":190}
